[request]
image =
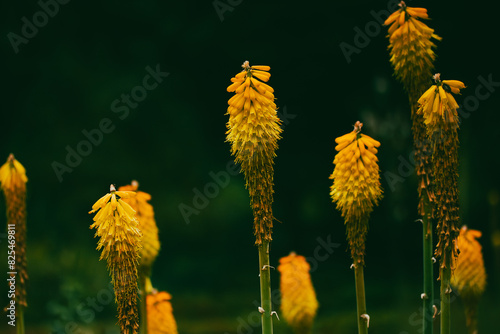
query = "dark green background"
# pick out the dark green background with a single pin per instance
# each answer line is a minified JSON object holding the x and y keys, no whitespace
{"x":64,"y":80}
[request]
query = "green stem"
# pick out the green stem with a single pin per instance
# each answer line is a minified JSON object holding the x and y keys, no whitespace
{"x":445,"y":298}
{"x":144,"y":306}
{"x":20,"y":320}
{"x":360,"y":299}
{"x":265,"y":288}
{"x":428,"y":299}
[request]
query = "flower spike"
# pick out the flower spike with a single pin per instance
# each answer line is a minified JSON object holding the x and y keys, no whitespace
{"x":120,"y":242}
{"x":13,"y":183}
{"x":356,"y":185}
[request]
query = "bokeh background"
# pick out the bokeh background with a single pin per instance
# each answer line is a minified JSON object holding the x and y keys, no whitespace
{"x":66,"y":77}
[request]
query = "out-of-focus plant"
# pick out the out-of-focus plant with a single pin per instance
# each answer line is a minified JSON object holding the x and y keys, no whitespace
{"x":13,"y":182}
{"x":469,"y":277}
{"x":298,"y":298}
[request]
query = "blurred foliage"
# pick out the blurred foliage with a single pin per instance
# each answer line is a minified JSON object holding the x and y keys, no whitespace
{"x":65,"y":79}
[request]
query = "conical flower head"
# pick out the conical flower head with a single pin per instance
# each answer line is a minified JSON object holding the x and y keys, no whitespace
{"x":120,"y":241}
{"x":147,"y":225}
{"x":253,"y":131}
{"x":254,"y":126}
{"x":356,"y":185}
{"x":298,"y":299}
{"x":13,"y":182}
{"x":439,"y":110}
{"x":438,"y":106}
{"x":13,"y":175}
{"x":411,"y":47}
{"x":469,"y":277}
{"x":160,"y":314}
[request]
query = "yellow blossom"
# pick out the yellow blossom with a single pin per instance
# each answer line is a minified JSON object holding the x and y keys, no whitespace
{"x":439,"y":110}
{"x":160,"y":314}
{"x":298,"y":299}
{"x":469,"y":277}
{"x":356,"y":185}
{"x":253,"y":131}
{"x":147,"y":225}
{"x":438,"y":106}
{"x":13,"y":182}
{"x":120,"y":241}
{"x":411,"y":47}
{"x":12,"y":175}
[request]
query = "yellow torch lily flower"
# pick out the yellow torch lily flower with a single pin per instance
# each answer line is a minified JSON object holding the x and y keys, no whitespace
{"x":411,"y":48}
{"x":13,"y":183}
{"x":298,"y":298}
{"x":437,"y":104}
{"x":356,"y":185}
{"x":160,"y":314}
{"x":253,"y":131}
{"x":470,"y":276}
{"x":120,"y":241}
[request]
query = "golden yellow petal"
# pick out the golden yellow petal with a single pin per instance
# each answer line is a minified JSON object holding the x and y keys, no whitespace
{"x":392,"y":17}
{"x":454,"y":83}
{"x":261,"y":67}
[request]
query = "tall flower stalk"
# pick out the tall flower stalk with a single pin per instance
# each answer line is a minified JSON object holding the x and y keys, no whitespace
{"x":412,"y":56}
{"x":356,"y":190}
{"x":439,"y":110}
{"x":150,"y":243}
{"x":253,"y":131}
{"x":470,"y":276}
{"x":120,"y":241}
{"x":13,"y":182}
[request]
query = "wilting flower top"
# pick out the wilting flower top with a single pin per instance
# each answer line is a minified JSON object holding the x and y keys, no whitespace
{"x":12,"y":174}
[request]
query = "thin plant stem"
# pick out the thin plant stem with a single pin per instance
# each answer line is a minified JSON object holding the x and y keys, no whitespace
{"x":20,"y":320}
{"x":144,"y":306}
{"x":445,"y":299}
{"x":360,"y":299}
{"x":265,"y":288}
{"x":428,"y":300}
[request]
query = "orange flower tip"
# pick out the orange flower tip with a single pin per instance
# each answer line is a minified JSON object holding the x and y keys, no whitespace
{"x":357,"y":126}
{"x":135,"y":184}
{"x":246,"y":65}
{"x":112,"y":188}
{"x":436,"y":77}
{"x":11,"y":158}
